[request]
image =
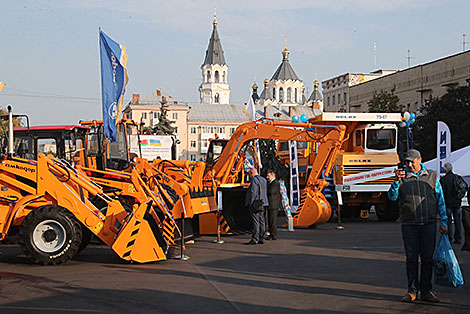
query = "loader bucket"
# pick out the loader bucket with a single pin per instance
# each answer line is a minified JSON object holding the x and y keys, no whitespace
{"x":235,"y":216}
{"x":313,"y":209}
{"x":140,"y":239}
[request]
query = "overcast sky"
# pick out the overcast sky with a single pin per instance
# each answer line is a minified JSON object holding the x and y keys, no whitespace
{"x":49,"y":56}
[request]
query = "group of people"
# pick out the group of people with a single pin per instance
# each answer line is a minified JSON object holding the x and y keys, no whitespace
{"x":263,"y":196}
{"x":423,"y":200}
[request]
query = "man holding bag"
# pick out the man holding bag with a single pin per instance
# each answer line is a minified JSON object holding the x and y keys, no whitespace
{"x":420,"y":199}
{"x":256,"y":198}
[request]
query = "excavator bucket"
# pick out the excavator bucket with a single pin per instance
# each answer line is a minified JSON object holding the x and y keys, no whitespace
{"x":140,"y":239}
{"x":313,"y":209}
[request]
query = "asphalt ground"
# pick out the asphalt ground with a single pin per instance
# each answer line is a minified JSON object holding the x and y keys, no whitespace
{"x":359,"y":269}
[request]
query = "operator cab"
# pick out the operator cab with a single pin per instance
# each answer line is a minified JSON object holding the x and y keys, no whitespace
{"x":113,"y":155}
{"x":67,"y":142}
{"x":376,"y":138}
{"x":216,"y":146}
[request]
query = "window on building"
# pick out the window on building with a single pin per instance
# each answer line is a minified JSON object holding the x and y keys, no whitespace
{"x":345,"y":98}
{"x":328,"y":101}
{"x":274,"y":93}
{"x":205,"y":143}
{"x":232,"y":130}
{"x":193,"y":144}
{"x":289,"y":95}
{"x":339,"y":99}
{"x":155,"y":115}
{"x":208,"y":76}
{"x":47,"y":146}
{"x":176,"y":130}
{"x":175,"y":116}
{"x":193,"y":130}
{"x":144,"y":115}
{"x":216,"y":98}
{"x":408,"y":106}
{"x":281,"y":94}
{"x":224,"y":78}
{"x":295,"y":95}
{"x":192,"y":157}
{"x":333,"y":100}
{"x":216,"y":76}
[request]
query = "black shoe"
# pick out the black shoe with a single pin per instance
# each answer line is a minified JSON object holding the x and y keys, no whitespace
{"x":251,"y":242}
{"x":429,"y":297}
{"x":261,"y":242}
{"x":268,"y":238}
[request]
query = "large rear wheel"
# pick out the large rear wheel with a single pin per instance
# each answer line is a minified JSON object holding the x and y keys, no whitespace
{"x":50,"y":235}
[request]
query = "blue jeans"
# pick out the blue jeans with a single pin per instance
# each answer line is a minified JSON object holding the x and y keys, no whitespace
{"x":419,"y":241}
{"x":455,"y":214}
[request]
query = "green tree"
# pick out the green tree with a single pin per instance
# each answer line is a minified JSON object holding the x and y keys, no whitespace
{"x":163,"y":126}
{"x":453,"y":109}
{"x":384,"y":102}
{"x":4,"y":121}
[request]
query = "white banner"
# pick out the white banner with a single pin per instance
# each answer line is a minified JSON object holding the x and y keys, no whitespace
{"x":369,"y":175}
{"x":294,"y":177}
{"x":443,"y":146}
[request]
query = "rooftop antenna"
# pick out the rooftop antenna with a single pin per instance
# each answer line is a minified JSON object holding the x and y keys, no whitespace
{"x":375,"y":56}
{"x":409,"y":57}
{"x":463,"y":41}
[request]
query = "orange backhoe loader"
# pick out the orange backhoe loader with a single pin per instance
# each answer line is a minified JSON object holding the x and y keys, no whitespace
{"x":69,"y":143}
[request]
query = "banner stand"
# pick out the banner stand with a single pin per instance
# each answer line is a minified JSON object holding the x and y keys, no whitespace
{"x":340,"y":202}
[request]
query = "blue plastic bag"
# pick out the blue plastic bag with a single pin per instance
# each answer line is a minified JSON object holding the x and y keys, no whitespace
{"x":446,"y":267}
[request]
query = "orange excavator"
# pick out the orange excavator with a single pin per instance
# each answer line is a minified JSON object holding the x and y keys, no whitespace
{"x":226,"y":168}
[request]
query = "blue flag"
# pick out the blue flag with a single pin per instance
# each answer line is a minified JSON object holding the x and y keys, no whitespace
{"x":113,"y":82}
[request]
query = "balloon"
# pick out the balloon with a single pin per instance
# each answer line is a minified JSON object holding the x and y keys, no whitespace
{"x":412,"y":116}
{"x":303,"y":118}
{"x":402,"y":124}
{"x":406,"y":116}
{"x":295,"y":118}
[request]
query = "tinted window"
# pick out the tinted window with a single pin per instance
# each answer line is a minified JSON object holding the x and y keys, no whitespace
{"x":381,"y":139}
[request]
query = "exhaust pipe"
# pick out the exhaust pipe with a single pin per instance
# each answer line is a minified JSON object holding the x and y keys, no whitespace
{"x":10,"y":131}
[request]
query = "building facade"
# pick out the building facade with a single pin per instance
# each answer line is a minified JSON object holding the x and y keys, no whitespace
{"x":336,"y":90}
{"x":416,"y":85}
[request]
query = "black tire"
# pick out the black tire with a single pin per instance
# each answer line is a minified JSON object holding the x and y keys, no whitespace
{"x":50,"y":235}
{"x":86,"y":238}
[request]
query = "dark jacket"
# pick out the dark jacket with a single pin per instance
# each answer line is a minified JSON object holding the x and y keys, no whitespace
{"x":420,"y":197}
{"x":274,"y":194}
{"x":253,"y":192}
{"x":448,"y":187}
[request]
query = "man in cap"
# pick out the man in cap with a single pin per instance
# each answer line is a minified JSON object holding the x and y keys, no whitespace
{"x":420,"y":198}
